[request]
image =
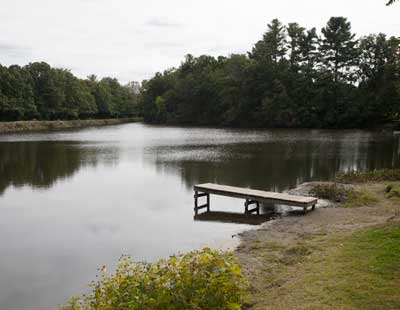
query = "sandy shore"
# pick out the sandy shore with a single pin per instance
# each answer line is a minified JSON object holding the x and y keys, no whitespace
{"x":26,"y":126}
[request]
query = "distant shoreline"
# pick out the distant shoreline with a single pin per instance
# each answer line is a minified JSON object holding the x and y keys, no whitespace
{"x":27,"y":126}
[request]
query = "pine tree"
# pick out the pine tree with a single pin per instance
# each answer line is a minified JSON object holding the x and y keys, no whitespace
{"x":296,"y":35}
{"x":339,"y":49}
{"x":272,"y":48}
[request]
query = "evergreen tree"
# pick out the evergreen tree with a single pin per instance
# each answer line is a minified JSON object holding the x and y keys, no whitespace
{"x":272,"y":48}
{"x":297,"y":36}
{"x":339,"y":49}
{"x":291,"y":78}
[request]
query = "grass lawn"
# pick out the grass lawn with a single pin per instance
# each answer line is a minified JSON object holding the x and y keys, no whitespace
{"x":360,"y":271}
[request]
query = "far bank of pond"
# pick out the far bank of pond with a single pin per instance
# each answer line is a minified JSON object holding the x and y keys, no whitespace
{"x":26,"y":126}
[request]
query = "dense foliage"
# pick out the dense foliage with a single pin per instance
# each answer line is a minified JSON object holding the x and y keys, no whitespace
{"x":385,"y":175}
{"x":38,"y":91}
{"x":198,"y":280}
{"x":293,"y":77}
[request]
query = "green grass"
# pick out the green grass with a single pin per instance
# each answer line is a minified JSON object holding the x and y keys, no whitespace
{"x":356,"y":271}
{"x":360,"y":198}
{"x":295,"y":254}
{"x":374,"y":261}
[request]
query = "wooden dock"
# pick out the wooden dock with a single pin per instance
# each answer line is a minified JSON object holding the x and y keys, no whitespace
{"x":251,"y":196}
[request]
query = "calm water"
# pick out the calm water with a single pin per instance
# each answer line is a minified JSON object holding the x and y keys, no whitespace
{"x":73,"y":201}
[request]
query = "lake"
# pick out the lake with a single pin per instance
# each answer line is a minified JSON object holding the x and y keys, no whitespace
{"x":73,"y":201}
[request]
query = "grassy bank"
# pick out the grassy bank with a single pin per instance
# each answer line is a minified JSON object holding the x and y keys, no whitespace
{"x":25,"y":126}
{"x":345,"y":257}
{"x":357,"y":271}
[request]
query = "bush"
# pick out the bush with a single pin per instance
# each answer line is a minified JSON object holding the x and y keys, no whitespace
{"x":333,"y":192}
{"x":370,"y":176}
{"x":360,"y":198}
{"x":393,"y":190}
{"x":349,"y":197}
{"x":197,"y":280}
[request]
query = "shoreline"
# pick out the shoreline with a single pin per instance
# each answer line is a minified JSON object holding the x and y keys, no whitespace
{"x":32,"y":126}
{"x":281,"y":256}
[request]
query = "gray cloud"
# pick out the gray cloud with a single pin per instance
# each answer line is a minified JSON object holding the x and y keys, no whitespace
{"x":226,"y":49}
{"x":13,"y":50}
{"x":162,"y":23}
{"x":132,"y":40}
{"x":163,"y":45}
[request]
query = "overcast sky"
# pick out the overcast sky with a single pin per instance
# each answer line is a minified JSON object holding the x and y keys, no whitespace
{"x":131,"y":39}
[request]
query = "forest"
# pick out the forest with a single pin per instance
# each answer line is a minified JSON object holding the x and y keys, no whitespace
{"x":292,"y":77}
{"x":38,"y":91}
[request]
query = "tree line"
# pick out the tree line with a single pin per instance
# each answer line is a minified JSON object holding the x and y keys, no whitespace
{"x":292,"y":77}
{"x":38,"y":91}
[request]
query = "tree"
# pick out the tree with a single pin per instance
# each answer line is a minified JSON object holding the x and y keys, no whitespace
{"x":86,"y":101}
{"x":373,"y":56}
{"x":272,"y":48}
{"x":297,"y":36}
{"x":338,"y":49}
{"x":291,"y":78}
{"x":48,"y":90}
{"x":278,"y":109}
{"x":40,"y":91}
{"x":16,"y":94}
{"x":309,"y":44}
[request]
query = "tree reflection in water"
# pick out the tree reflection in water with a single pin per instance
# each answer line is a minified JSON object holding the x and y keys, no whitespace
{"x":41,"y":164}
{"x":281,"y":162}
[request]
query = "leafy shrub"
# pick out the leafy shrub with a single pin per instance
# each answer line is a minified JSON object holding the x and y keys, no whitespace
{"x":360,"y":198}
{"x":370,"y":176}
{"x":333,"y":192}
{"x":197,"y":280}
{"x":393,"y":190}
{"x":349,"y":197}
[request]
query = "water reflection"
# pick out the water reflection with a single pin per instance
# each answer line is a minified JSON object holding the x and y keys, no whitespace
{"x":272,"y":160}
{"x":41,"y":164}
{"x":279,"y":163}
{"x":238,"y":218}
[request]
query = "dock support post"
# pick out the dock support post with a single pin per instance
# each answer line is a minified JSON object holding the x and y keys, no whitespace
{"x":196,"y":202}
{"x":313,"y":207}
{"x":250,"y":202}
